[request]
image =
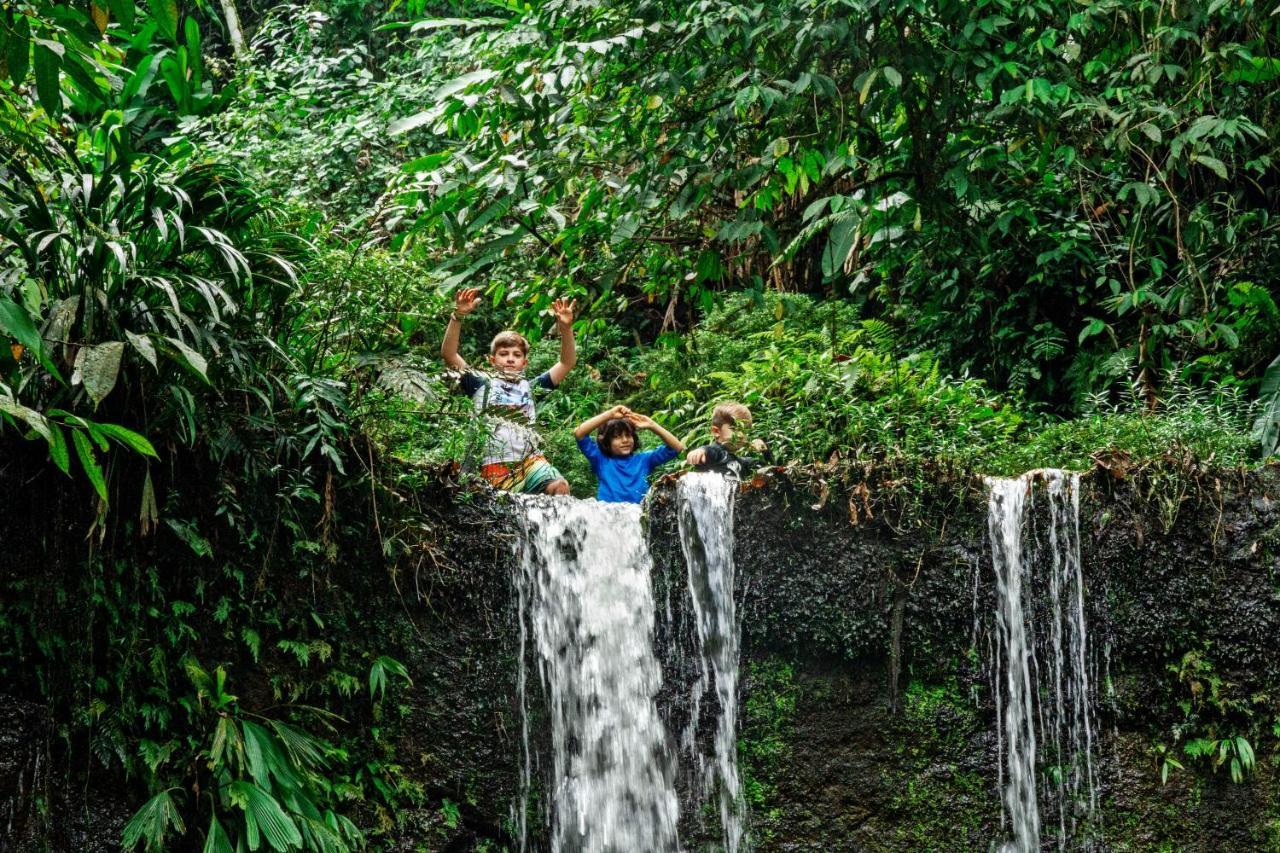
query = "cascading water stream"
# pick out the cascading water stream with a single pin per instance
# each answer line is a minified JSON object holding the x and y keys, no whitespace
{"x":586,"y":609}
{"x":1056,"y":695}
{"x":705,"y":512}
{"x":1015,"y":729}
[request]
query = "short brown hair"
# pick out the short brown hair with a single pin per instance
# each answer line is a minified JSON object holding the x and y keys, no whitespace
{"x":509,"y":338}
{"x":729,"y":414}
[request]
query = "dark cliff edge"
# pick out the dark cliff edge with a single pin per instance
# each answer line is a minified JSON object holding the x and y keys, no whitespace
{"x":867,"y":717}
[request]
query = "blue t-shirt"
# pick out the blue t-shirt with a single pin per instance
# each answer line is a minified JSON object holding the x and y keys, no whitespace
{"x":623,"y":479}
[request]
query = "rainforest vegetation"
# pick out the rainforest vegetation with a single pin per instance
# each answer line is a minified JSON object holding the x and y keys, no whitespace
{"x":923,"y":235}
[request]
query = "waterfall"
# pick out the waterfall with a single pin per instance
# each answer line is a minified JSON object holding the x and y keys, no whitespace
{"x":1015,"y":730}
{"x":705,"y":511}
{"x":1041,"y":680}
{"x":587,"y":610}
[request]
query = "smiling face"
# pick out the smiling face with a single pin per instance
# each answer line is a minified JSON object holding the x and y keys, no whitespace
{"x":617,"y":438}
{"x":622,"y":444}
{"x":509,"y":358}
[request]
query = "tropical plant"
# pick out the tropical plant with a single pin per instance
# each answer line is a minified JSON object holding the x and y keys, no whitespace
{"x":123,"y":272}
{"x":1028,"y":189}
{"x":262,"y":781}
{"x":1165,"y":761}
{"x":115,"y":265}
{"x":1267,"y":427}
{"x":1235,"y":752}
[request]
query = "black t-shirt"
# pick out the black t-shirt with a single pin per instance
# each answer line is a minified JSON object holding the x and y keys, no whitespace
{"x":724,"y":461}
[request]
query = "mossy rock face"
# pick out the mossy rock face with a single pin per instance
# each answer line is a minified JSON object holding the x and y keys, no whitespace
{"x":874,"y":762}
{"x":867,"y":720}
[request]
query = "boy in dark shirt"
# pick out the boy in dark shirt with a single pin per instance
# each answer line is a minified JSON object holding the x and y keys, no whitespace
{"x":730,"y":423}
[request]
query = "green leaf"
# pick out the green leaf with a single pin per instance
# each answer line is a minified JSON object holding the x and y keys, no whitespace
{"x":129,"y":438}
{"x":378,"y":674}
{"x":866,"y":86}
{"x":97,"y":367}
{"x":408,"y":123}
{"x":151,"y":823}
{"x":427,"y":162}
{"x":263,"y":813}
{"x":15,"y":320}
{"x":1217,"y":166}
{"x":1266,"y":429}
{"x":1245,"y":751}
{"x":29,"y":416}
{"x":191,"y":358}
{"x":305,"y":750}
{"x":89,"y":461}
{"x":227,"y":748}
{"x":844,"y":233}
{"x":191,"y":31}
{"x":216,"y":841}
{"x":1095,"y":327}
{"x":187,"y":532}
{"x":17,"y":50}
{"x":58,"y":451}
{"x":145,"y":348}
{"x":123,"y":10}
{"x":257,"y":743}
{"x":458,"y":84}
{"x":165,"y":14}
{"x":47,"y":64}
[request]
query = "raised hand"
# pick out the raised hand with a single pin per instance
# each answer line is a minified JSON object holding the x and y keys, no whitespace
{"x":563,"y":309}
{"x":620,"y":411}
{"x":640,"y":421}
{"x":466,"y":301}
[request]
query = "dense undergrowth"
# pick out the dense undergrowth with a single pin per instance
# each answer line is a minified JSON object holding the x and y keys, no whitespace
{"x":827,"y":388}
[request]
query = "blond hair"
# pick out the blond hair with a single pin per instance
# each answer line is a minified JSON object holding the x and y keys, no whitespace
{"x":508,"y":338}
{"x":730,"y":414}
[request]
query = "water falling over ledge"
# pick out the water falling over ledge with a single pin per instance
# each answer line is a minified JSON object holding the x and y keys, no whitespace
{"x":1040,"y":667}
{"x":705,"y":516}
{"x":586,"y":616}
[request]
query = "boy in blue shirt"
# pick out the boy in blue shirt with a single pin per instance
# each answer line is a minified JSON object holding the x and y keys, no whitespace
{"x":622,"y":472}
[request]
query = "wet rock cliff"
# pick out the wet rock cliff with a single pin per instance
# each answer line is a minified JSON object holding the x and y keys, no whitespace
{"x":867,"y":717}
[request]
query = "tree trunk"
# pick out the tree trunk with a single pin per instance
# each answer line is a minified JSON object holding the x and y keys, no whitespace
{"x":233,"y":30}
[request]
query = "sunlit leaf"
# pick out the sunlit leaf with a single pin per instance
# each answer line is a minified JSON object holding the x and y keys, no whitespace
{"x":97,"y":368}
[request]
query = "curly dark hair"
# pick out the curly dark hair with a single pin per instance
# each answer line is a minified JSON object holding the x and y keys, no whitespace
{"x":611,"y":429}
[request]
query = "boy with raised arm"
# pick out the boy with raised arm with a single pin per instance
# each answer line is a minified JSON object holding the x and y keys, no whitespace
{"x":512,"y":460}
{"x":621,"y":468}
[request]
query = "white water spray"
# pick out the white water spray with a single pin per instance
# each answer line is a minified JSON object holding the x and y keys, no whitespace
{"x":1057,"y":695}
{"x":586,"y":606}
{"x":705,"y":509}
{"x":1015,"y":728}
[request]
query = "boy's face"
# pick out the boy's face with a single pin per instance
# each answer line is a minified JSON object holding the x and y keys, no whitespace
{"x":512,"y":359}
{"x":727,"y":435}
{"x":622,"y":444}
